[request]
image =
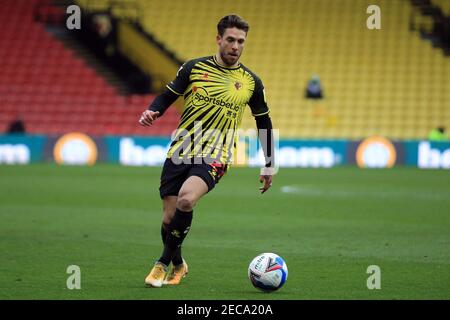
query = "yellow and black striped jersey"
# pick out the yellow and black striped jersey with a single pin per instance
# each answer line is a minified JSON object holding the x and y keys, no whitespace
{"x":215,"y":98}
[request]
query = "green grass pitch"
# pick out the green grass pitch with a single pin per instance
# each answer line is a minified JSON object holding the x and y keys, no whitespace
{"x":328,"y":224}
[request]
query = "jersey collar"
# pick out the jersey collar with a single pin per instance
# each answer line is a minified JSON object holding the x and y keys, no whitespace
{"x":230,"y":68}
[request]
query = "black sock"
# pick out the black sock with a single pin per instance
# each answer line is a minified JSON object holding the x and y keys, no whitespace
{"x":176,"y":232}
{"x":164,"y":227}
{"x":177,"y":259}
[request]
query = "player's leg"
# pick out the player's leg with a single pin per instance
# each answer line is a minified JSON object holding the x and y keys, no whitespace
{"x":169,"y":208}
{"x":172,"y":178}
{"x":191,"y":191}
{"x":201,"y":179}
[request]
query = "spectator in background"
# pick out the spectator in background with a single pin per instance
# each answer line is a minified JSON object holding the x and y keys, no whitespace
{"x":314,"y":88}
{"x":437,"y":134}
{"x":17,"y":126}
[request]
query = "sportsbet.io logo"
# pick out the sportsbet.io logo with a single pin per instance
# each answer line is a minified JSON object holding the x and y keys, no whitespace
{"x":76,"y":149}
{"x":201,"y":99}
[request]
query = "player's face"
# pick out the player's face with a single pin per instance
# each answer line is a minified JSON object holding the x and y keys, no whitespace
{"x":231,"y":45}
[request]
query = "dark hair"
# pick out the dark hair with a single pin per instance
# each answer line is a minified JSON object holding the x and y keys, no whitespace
{"x":232,"y":21}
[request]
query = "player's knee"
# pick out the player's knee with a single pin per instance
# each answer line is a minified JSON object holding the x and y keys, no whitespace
{"x":185,"y":203}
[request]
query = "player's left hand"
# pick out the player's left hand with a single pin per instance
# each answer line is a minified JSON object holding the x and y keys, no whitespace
{"x":267,"y":182}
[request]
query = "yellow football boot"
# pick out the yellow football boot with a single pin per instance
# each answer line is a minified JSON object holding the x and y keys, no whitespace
{"x":176,"y":274}
{"x":156,"y":277}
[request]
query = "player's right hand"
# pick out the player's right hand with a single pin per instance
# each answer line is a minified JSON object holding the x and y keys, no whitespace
{"x":148,"y":117}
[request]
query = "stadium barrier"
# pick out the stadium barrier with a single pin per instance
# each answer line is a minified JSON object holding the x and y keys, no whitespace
{"x":19,"y":149}
{"x":81,"y":149}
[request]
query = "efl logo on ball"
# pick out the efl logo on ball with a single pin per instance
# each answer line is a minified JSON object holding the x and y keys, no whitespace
{"x":268,"y":272}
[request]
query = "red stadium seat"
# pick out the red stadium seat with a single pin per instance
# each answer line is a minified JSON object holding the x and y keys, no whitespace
{"x":55,"y":90}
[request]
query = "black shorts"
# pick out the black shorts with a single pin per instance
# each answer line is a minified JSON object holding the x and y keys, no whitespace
{"x":174,"y":175}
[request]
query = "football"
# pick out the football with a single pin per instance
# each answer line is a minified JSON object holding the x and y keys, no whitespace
{"x":268,"y":272}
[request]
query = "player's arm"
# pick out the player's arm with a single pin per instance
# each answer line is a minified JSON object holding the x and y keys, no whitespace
{"x":157,"y":108}
{"x":265,"y":134}
{"x":260,"y":111}
{"x":163,"y":101}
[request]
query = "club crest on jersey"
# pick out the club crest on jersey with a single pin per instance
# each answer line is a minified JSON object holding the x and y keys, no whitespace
{"x":238,"y":85}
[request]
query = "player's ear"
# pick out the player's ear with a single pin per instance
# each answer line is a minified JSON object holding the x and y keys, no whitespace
{"x":218,"y":39}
